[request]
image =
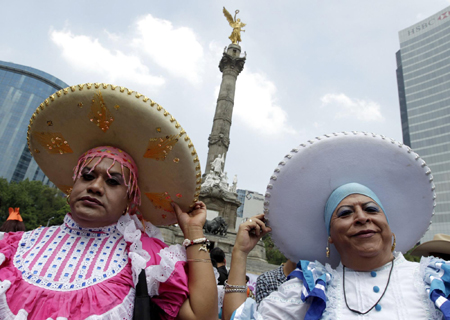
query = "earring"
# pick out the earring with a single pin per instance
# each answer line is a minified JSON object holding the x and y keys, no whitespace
{"x":328,"y":248}
{"x":393,"y":245}
{"x":68,"y":198}
{"x":126,"y":209}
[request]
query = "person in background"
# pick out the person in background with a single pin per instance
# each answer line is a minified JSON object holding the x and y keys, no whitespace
{"x":270,"y":281}
{"x":439,"y":247}
{"x":250,"y":293}
{"x":220,"y":262}
{"x":14,"y":222}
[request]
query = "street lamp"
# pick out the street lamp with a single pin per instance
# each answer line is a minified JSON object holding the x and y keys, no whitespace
{"x":48,"y":222}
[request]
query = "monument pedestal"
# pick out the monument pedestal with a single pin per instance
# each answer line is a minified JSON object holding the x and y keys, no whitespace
{"x":222,"y":201}
{"x":256,"y":261}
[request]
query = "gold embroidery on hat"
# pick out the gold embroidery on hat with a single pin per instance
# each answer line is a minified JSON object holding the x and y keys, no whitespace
{"x":161,"y":201}
{"x":53,"y":142}
{"x":159,"y":148}
{"x":100,"y":114}
{"x":50,"y":123}
{"x":158,"y":129}
{"x":116,"y":107}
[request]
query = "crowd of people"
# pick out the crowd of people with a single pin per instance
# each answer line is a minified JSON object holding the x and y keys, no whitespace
{"x":342,"y":208}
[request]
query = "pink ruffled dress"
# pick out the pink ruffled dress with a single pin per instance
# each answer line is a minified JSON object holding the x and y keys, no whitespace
{"x":69,"y":272}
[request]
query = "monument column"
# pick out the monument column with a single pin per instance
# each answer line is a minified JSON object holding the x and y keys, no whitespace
{"x":230,"y":65}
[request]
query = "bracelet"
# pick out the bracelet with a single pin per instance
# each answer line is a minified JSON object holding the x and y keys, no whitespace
{"x":199,"y":260}
{"x":188,"y":243}
{"x":232,"y":286}
{"x":231,"y":290}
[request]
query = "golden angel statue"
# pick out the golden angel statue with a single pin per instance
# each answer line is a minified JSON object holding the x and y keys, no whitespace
{"x":237,"y":26}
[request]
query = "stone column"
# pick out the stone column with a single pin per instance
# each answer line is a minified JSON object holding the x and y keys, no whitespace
{"x":219,"y":139}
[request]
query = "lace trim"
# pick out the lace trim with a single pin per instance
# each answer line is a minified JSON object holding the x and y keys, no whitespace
{"x":5,"y":312}
{"x":122,"y":311}
{"x":333,"y":297}
{"x":138,"y":256}
{"x":148,"y":228}
{"x":71,"y":227}
{"x":160,"y":273}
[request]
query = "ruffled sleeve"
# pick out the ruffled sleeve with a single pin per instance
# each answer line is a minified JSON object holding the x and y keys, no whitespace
{"x":286,"y":303}
{"x":165,"y":266}
{"x":436,"y":275}
{"x":303,"y":296}
{"x":167,"y":279}
{"x":8,"y":245}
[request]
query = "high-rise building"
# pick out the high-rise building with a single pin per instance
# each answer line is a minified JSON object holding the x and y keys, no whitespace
{"x":252,"y":203}
{"x":423,"y":77}
{"x":22,"y":89}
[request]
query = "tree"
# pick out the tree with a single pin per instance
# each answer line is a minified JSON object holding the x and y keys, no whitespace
{"x":37,"y":202}
{"x":273,"y":255}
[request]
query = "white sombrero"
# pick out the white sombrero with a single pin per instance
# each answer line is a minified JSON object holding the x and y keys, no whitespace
{"x":303,"y":181}
{"x":78,"y":118}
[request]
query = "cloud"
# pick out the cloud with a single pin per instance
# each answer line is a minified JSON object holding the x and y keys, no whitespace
{"x":174,"y":49}
{"x":353,"y":108}
{"x":255,"y":104}
{"x":89,"y":55}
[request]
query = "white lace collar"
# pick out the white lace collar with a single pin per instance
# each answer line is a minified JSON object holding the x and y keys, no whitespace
{"x":70,"y":226}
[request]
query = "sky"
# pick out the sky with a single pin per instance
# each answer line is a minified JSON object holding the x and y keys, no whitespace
{"x":312,"y":68}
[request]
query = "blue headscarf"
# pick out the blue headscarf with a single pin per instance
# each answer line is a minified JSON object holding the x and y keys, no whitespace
{"x":344,"y":191}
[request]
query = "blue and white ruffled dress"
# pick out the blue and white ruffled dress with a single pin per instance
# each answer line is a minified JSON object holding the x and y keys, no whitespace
{"x":416,"y":291}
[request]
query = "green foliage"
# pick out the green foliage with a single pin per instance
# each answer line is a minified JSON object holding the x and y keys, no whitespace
{"x":410,"y":257}
{"x":37,"y":203}
{"x":273,"y":255}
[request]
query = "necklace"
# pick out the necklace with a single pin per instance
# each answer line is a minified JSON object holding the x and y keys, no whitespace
{"x":359,"y":312}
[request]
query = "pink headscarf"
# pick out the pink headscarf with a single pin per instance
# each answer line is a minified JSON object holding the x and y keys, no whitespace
{"x":117,"y":155}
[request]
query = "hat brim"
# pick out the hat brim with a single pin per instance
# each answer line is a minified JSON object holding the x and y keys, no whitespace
{"x":78,"y":118}
{"x":303,"y":181}
{"x":433,"y":246}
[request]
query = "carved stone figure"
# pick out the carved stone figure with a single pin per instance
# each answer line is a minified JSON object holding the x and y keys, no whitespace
{"x":216,"y":164}
{"x":233,"y":187}
{"x":224,"y":181}
{"x":209,"y":180}
{"x":237,"y":26}
{"x":216,"y":226}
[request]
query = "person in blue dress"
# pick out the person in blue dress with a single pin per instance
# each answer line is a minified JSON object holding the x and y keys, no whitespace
{"x":345,"y":206}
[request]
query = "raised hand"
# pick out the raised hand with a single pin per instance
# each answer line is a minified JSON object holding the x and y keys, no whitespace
{"x":250,"y":232}
{"x":191,"y":223}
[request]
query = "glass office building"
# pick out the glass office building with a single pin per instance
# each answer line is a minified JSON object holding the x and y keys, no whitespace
{"x":423,"y":76}
{"x":22,"y":89}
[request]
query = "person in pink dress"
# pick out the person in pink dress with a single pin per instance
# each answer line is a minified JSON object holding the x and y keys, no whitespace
{"x":89,"y":267}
